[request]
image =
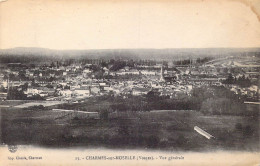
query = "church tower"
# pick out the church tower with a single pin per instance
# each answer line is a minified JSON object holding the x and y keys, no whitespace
{"x":162,"y":77}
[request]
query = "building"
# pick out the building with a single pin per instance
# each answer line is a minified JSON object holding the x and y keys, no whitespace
{"x":140,"y":91}
{"x":66,"y":93}
{"x":162,"y":75}
{"x":95,"y":90}
{"x":82,"y":91}
{"x":3,"y":96}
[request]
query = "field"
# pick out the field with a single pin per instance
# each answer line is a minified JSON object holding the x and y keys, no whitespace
{"x":28,"y":103}
{"x":11,"y":103}
{"x":167,"y":130}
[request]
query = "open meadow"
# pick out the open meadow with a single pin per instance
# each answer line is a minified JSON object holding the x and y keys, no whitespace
{"x":166,"y":130}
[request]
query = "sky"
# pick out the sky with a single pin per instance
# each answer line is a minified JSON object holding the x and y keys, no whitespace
{"x":112,"y":24}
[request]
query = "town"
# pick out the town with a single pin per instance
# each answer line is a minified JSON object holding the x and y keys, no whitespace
{"x":73,"y":81}
{"x":138,"y":103}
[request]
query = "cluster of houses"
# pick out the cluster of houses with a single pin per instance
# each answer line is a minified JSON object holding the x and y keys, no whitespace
{"x":78,"y":81}
{"x":251,"y":92}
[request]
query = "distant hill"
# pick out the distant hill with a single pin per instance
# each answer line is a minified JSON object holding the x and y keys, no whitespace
{"x":23,"y":54}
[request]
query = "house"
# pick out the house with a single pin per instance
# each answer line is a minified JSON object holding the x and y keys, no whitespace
{"x":95,"y":90}
{"x":87,"y":71}
{"x":107,"y":88}
{"x":73,"y":87}
{"x":140,"y":91}
{"x":66,"y":93}
{"x":45,"y":90}
{"x":126,"y":91}
{"x":189,"y":87}
{"x":116,"y":91}
{"x":4,"y":84}
{"x":32,"y":91}
{"x":102,"y":84}
{"x":253,"y":88}
{"x":44,"y":94}
{"x":134,"y":72}
{"x":82,"y":91}
{"x":42,"y":91}
{"x":3,"y":96}
{"x":166,"y":93}
{"x":156,"y":85}
{"x":148,"y":73}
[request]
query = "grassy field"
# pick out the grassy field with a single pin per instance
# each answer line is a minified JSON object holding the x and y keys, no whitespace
{"x":13,"y":102}
{"x":168,"y":130}
{"x":29,"y":103}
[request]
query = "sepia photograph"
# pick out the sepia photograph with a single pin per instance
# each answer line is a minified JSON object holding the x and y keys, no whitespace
{"x":129,"y":82}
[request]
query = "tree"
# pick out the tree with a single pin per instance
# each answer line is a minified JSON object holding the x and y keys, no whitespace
{"x":11,"y":77}
{"x":49,"y":86}
{"x":118,"y":65}
{"x":152,"y":96}
{"x":35,"y":97}
{"x":104,"y":64}
{"x":2,"y":89}
{"x":243,"y":82}
{"x":32,"y":65}
{"x":98,"y":74}
{"x":51,"y":79}
{"x":66,"y":87}
{"x":34,"y":84}
{"x":21,"y":75}
{"x":130,"y":63}
{"x":14,"y":94}
{"x":229,"y":80}
{"x":225,"y":70}
{"x":112,"y":61}
{"x":5,"y":77}
{"x":198,"y":60}
{"x":52,"y":65}
{"x":25,"y":86}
